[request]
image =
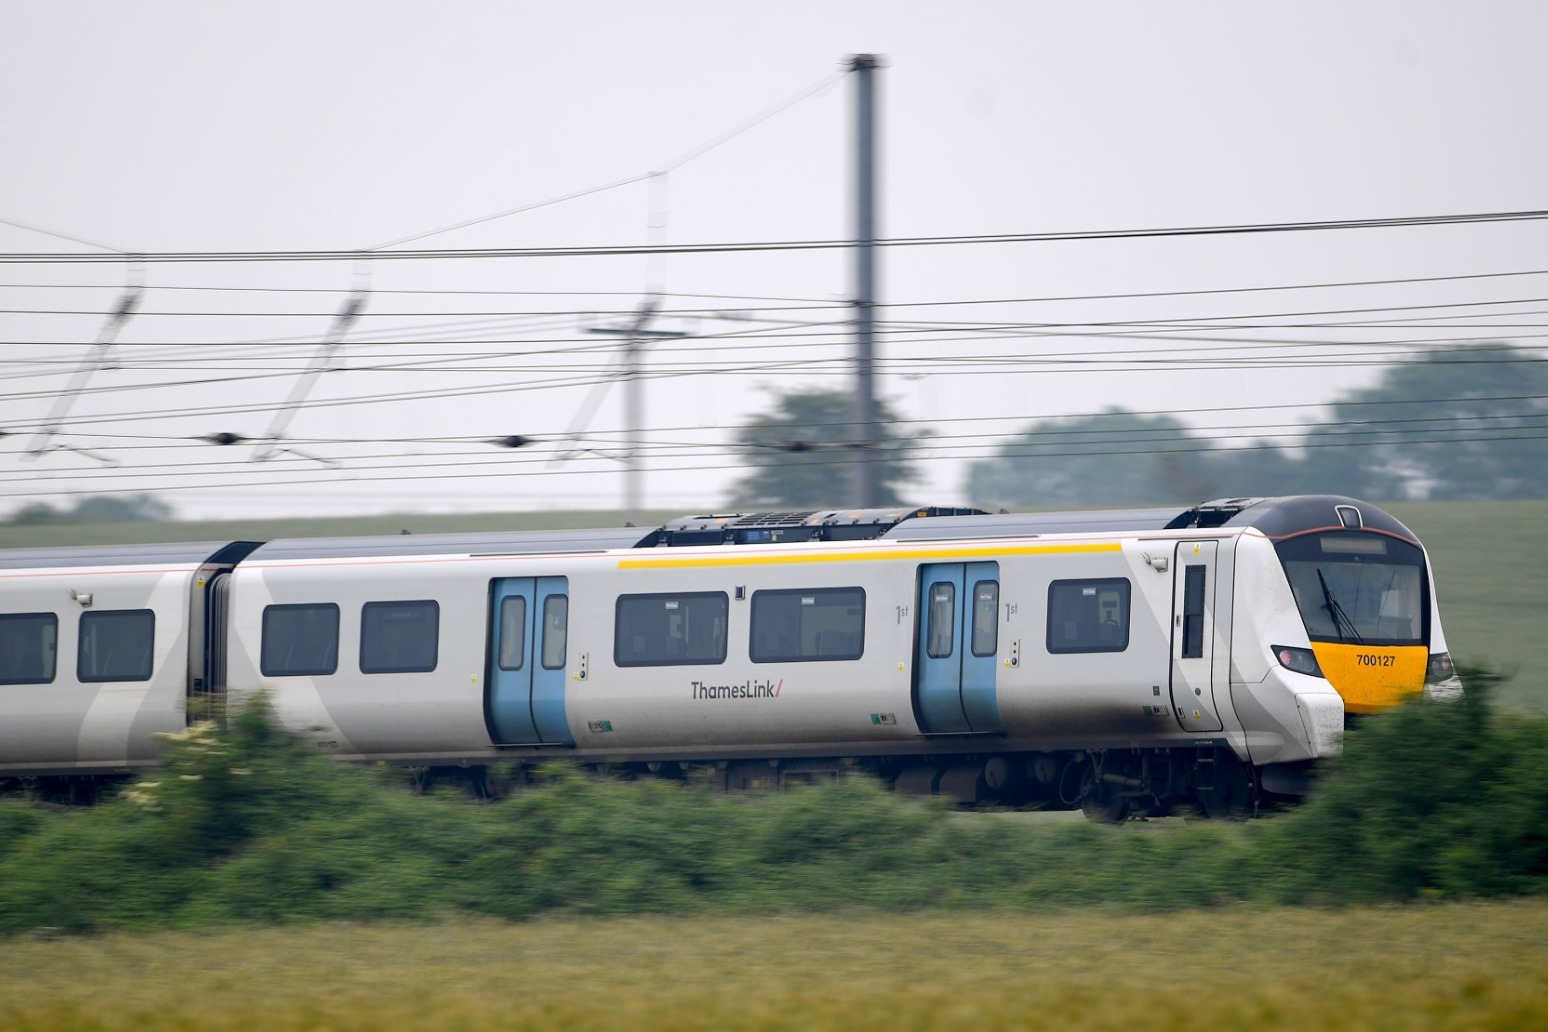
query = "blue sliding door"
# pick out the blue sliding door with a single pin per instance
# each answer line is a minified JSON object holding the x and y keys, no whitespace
{"x":955,"y":661}
{"x":529,"y":638}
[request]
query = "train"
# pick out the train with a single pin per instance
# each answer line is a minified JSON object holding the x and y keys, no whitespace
{"x":1119,"y":661}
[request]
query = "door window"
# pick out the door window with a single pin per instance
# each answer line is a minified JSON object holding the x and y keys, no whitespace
{"x":1193,"y":612}
{"x":513,"y":632}
{"x":556,"y":630}
{"x":986,"y":612}
{"x":941,"y":631}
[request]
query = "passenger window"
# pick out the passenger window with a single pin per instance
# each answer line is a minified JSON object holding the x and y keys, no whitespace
{"x":300,"y":640}
{"x":115,"y":645}
{"x":670,"y":629}
{"x":1088,"y":615}
{"x":28,"y":648}
{"x":399,"y":637}
{"x":556,"y":631}
{"x":513,"y":632}
{"x":986,"y":612}
{"x":796,"y":626}
{"x":940,"y":633}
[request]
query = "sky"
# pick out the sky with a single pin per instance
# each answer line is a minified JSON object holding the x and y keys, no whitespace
{"x":275,"y":162}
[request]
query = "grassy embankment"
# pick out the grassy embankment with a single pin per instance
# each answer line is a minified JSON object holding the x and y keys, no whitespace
{"x":1444,"y":966}
{"x":1491,"y":570}
{"x":1430,"y":802}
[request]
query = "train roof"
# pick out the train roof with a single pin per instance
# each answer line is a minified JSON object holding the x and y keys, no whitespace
{"x":492,"y":543}
{"x":1022,"y":524}
{"x":1303,"y":514}
{"x":1274,"y":517}
{"x":179,"y":554}
{"x":762,"y":528}
{"x":705,"y":529}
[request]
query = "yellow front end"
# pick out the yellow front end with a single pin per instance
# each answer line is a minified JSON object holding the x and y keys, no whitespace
{"x":1372,"y":678}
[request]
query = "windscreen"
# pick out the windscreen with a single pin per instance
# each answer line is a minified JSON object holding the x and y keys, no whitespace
{"x":1358,"y":587}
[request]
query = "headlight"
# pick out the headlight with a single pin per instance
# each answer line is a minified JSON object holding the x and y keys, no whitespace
{"x":1440,"y":668}
{"x":1440,"y":678}
{"x":1302,"y":661}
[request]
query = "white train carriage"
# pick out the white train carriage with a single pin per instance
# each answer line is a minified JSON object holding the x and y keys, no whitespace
{"x":100,"y":650}
{"x":1122,"y":656}
{"x":1109,"y":659}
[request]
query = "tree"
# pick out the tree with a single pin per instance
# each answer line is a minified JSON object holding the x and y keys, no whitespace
{"x":36,"y":513}
{"x":1470,"y":422}
{"x":97,"y":509}
{"x":127,"y":509}
{"x":1116,"y":458}
{"x":800,"y":455}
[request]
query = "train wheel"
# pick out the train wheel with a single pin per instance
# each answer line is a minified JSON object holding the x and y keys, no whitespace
{"x":1106,"y":808}
{"x":1234,"y":794}
{"x":1099,"y":801}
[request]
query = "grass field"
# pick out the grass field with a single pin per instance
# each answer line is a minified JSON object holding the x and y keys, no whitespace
{"x":1491,"y":565}
{"x":1491,"y":570}
{"x":1453,"y":966}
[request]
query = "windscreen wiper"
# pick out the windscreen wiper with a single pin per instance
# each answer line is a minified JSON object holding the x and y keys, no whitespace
{"x":1336,"y":613}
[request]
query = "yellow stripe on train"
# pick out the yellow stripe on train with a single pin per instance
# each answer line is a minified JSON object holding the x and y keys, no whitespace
{"x":1372,"y":678}
{"x":775,"y":558}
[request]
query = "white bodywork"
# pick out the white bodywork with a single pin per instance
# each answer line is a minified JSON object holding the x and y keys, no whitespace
{"x":70,"y":725}
{"x":860,"y":707}
{"x":1225,"y":689}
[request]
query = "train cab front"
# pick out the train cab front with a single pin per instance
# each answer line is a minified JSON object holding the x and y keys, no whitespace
{"x":1364,"y":594}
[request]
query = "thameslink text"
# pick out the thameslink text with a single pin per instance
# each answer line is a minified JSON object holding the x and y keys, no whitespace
{"x":749,"y":689}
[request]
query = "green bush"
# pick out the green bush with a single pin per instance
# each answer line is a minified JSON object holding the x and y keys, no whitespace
{"x":1431,"y":800}
{"x":17,"y":820}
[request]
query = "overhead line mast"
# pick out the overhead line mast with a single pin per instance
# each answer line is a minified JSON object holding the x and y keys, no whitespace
{"x":867,"y":469}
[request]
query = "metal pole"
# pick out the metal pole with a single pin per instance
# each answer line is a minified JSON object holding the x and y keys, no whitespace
{"x":634,"y":420}
{"x":634,"y":402}
{"x":867,"y":472}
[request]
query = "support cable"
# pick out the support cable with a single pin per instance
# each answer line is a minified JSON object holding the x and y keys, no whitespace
{"x":322,"y":362}
{"x":97,"y":358}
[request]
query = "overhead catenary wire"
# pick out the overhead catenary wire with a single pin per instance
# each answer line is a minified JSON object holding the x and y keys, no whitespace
{"x":627,"y":250}
{"x":954,"y":435}
{"x":502,"y":468}
{"x":1039,"y":299}
{"x":1197,"y":411}
{"x":958,"y":365}
{"x":794,"y":367}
